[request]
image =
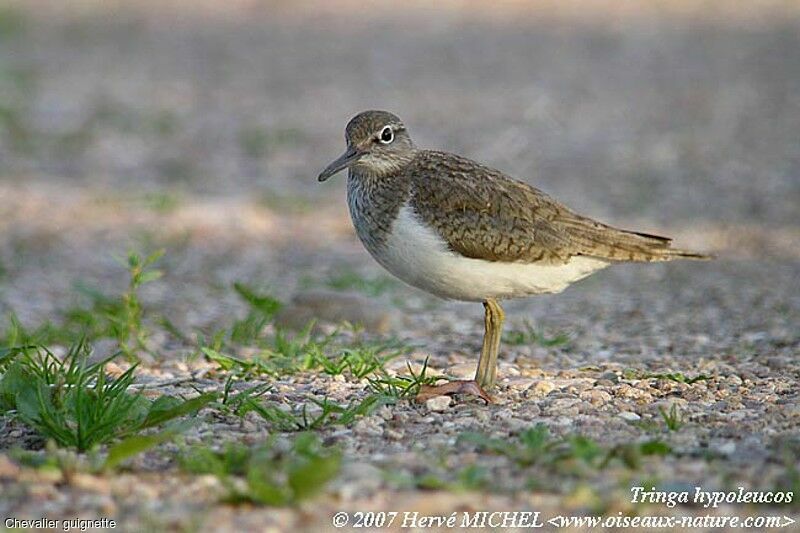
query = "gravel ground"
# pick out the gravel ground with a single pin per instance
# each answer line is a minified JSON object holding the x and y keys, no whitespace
{"x":202,"y":132}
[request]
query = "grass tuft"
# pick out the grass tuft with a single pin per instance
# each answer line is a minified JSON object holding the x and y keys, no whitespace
{"x":262,"y":309}
{"x":401,"y":387}
{"x":572,"y":455}
{"x":673,"y":419}
{"x":267,"y":474}
{"x":75,"y":403}
{"x":116,"y":317}
{"x":350,"y":280}
{"x":300,"y":419}
{"x":529,"y":335}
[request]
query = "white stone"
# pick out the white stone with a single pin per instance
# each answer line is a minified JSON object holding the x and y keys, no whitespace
{"x":439,"y":403}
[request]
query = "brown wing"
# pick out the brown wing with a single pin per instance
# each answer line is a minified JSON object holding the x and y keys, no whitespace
{"x":482,"y":213}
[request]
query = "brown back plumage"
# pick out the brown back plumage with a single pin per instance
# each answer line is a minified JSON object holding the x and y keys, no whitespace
{"x":482,"y":213}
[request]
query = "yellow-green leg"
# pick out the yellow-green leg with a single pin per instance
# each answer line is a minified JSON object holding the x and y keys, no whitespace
{"x":486,"y":375}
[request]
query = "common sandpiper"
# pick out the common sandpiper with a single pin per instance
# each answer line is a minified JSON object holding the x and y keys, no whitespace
{"x":464,"y":231}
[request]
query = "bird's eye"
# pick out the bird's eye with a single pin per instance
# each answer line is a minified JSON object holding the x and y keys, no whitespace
{"x":387,"y":135}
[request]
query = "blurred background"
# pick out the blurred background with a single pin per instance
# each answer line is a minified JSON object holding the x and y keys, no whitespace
{"x":201,"y":125}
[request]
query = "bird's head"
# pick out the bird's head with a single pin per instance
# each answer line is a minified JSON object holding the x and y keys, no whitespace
{"x":377,"y":144}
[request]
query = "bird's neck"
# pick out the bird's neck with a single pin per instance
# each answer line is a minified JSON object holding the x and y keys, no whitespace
{"x":374,"y":201}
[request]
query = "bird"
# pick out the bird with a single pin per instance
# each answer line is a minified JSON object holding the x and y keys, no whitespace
{"x":464,"y":231}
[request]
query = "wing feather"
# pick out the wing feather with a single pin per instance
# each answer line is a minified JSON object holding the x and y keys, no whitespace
{"x":482,"y":213}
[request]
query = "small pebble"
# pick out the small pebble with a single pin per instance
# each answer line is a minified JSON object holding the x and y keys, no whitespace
{"x":439,"y":403}
{"x":541,"y":389}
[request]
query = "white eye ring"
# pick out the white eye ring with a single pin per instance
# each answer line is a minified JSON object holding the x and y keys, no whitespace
{"x":386,"y":136}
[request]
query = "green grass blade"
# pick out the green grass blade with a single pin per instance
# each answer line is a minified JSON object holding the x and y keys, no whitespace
{"x":162,"y":412}
{"x":137,"y":444}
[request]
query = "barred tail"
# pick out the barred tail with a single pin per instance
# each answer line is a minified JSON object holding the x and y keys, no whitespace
{"x":605,"y":242}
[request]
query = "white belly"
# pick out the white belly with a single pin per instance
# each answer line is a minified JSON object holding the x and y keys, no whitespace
{"x":420,"y":257}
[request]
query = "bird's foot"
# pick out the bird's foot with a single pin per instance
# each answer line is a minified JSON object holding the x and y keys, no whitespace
{"x":469,"y":387}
